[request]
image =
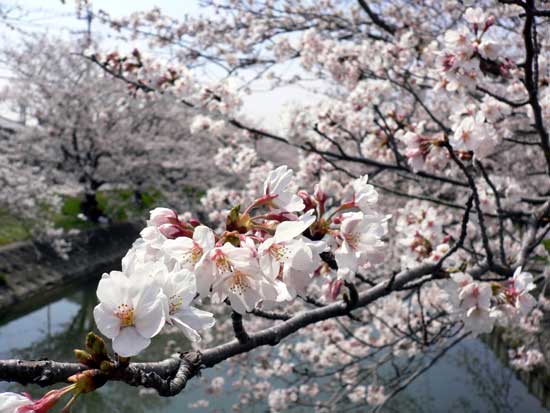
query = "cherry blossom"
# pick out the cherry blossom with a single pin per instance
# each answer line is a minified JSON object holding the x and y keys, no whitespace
{"x":130,"y":311}
{"x":360,"y":243}
{"x":521,"y":284}
{"x":234,"y":273}
{"x":188,"y":251}
{"x":179,"y":287}
{"x":279,"y":250}
{"x":276,"y":189}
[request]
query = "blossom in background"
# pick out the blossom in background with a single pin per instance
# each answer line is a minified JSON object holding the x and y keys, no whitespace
{"x":376,"y":395}
{"x":521,"y":284}
{"x":359,"y":242}
{"x":276,"y":186}
{"x":472,"y":133}
{"x":130,"y":311}
{"x":365,"y":195}
{"x":473,"y":301}
{"x":476,"y":302}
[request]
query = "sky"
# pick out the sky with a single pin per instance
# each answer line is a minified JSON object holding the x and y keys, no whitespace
{"x":59,"y":19}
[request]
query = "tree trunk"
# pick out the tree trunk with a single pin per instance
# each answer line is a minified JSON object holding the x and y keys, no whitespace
{"x":90,"y":207}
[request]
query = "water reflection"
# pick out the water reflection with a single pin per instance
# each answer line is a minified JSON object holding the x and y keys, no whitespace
{"x":469,"y":379}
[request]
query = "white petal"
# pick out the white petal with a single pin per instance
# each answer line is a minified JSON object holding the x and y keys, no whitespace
{"x":196,"y":319}
{"x":109,"y":289}
{"x":238,"y":303}
{"x":204,"y":276}
{"x":10,"y":402}
{"x":187,"y":330}
{"x":107,"y":323}
{"x":345,"y":258}
{"x":269,"y":266}
{"x":288,"y":230}
{"x":149,"y":320}
{"x":129,"y":342}
{"x":204,"y":236}
{"x":178,"y":248}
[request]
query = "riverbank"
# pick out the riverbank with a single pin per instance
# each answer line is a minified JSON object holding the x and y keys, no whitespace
{"x":29,"y":270}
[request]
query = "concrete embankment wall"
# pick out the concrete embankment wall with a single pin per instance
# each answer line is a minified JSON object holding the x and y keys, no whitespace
{"x":29,"y":270}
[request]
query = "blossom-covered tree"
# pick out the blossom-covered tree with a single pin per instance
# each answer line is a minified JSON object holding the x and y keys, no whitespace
{"x":86,"y":130}
{"x":443,"y":105}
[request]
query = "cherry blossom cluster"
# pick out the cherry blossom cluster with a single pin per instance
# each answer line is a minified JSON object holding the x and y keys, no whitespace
{"x":269,"y":253}
{"x":470,"y":52}
{"x":421,"y":236}
{"x":481,"y":304}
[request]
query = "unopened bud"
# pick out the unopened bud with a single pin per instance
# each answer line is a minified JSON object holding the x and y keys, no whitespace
{"x":171,"y":231}
{"x":335,"y":287}
{"x":194,"y":222}
{"x":84,"y":357}
{"x":161,"y":216}
{"x":96,"y":346}
{"x":489,"y":22}
{"x":308,"y":200}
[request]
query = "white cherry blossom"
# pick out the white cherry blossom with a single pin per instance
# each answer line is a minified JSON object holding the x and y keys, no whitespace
{"x":179,"y":288}
{"x":522,"y":283}
{"x":365,"y":195}
{"x":130,"y":311}
{"x":234,"y":273}
{"x":188,"y":251}
{"x":276,"y":185}
{"x":359,"y":239}
{"x":275,"y":252}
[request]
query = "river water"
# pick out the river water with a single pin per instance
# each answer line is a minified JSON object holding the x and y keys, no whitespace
{"x":468,"y":379}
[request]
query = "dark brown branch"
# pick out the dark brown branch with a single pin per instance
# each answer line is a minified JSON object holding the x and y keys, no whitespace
{"x":472,"y":184}
{"x":530,"y":69}
{"x":238,"y":327}
{"x":376,"y":19}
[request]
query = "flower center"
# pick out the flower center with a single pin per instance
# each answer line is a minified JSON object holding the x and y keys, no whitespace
{"x":239,"y":282}
{"x":176,"y":302}
{"x":196,"y":253}
{"x":126,"y":315}
{"x":352,"y":239}
{"x":222,"y":262}
{"x":279,"y":252}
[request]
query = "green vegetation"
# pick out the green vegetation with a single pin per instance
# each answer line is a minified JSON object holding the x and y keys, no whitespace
{"x":12,"y":228}
{"x":119,"y":205}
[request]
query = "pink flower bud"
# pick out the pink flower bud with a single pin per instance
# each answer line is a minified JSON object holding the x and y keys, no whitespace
{"x":334,"y":290}
{"x":194,"y":222}
{"x":161,"y":216}
{"x":171,"y":231}
{"x":489,"y":22}
{"x":46,"y":402}
{"x":308,"y":201}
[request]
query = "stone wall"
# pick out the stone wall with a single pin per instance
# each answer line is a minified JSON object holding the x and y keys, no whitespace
{"x":28,"y":270}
